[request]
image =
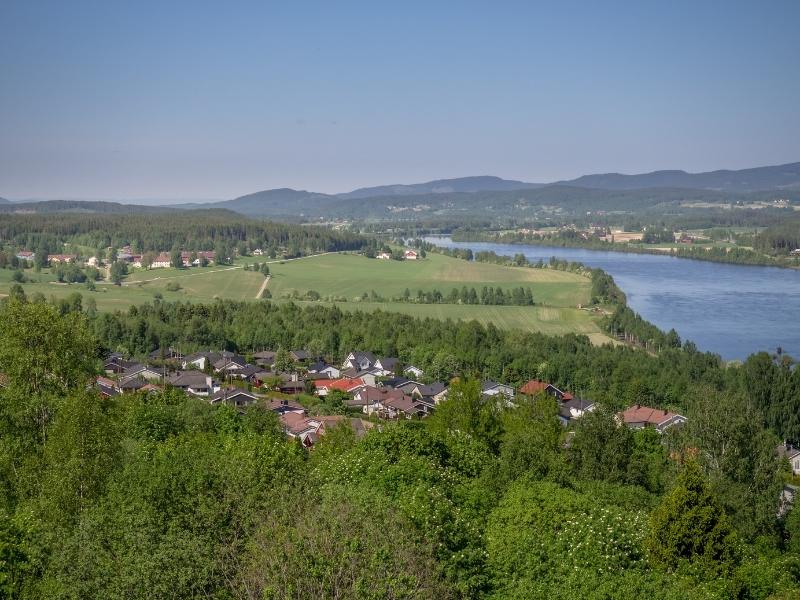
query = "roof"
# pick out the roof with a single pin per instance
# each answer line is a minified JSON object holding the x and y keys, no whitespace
{"x":344,"y":385}
{"x":231,"y":393}
{"x":644,"y":414}
{"x":534,"y":386}
{"x":360,"y":356}
{"x":787,"y":450}
{"x":265,"y":354}
{"x":189,"y":379}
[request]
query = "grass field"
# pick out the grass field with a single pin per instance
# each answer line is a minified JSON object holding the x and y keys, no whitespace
{"x":556,"y":293}
{"x":349,"y":276}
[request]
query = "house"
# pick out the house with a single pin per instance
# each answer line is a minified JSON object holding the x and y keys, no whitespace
{"x":383,"y":255}
{"x":792,"y":454}
{"x":325,"y":370}
{"x":360,"y":361}
{"x":107,"y":387}
{"x":368,"y":376}
{"x":410,"y":255}
{"x":61,"y":258}
{"x":492,"y":388}
{"x":144,"y":372}
{"x":638,"y":416}
{"x":572,"y":409}
{"x":292,"y":387}
{"x":282,"y":405}
{"x":194,"y":382}
{"x":534,"y":386}
{"x":323,"y":386}
{"x":230,"y":364}
{"x":165,"y":354}
{"x":236,"y":397}
{"x":387,"y":366}
{"x":162,"y":261}
{"x":265,"y":358}
{"x":26,"y":255}
{"x":435,"y":392}
{"x":415,"y":372}
{"x":258,"y":252}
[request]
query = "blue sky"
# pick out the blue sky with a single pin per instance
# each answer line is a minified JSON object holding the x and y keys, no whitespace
{"x":212,"y":99}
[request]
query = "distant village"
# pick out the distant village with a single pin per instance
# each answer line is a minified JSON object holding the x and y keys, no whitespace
{"x":371,"y":389}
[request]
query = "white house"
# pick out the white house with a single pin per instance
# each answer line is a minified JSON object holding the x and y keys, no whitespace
{"x":383,"y":255}
{"x":410,"y":255}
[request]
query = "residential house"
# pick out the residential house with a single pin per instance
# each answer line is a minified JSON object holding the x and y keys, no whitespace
{"x":61,"y":258}
{"x":387,"y":366}
{"x":325,"y":370}
{"x":792,"y":454}
{"x":535,"y":386}
{"x":323,"y":386}
{"x":410,"y":255}
{"x":569,"y":410}
{"x":265,"y":358}
{"x":433,"y":393}
{"x":492,"y":388}
{"x":194,"y":382}
{"x":360,"y":361}
{"x":638,"y":416}
{"x":383,"y":255}
{"x":26,"y":255}
{"x":236,"y":397}
{"x":162,"y":261}
{"x":415,"y":372}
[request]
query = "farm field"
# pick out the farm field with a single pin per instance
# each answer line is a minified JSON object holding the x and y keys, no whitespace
{"x":196,"y":285}
{"x":348,"y":276}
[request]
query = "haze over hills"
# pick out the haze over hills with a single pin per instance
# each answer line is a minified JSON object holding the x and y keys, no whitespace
{"x":484,"y":194}
{"x":480,"y":183}
{"x":744,"y":180}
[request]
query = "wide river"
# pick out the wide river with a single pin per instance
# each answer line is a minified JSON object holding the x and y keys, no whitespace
{"x":732,"y":310}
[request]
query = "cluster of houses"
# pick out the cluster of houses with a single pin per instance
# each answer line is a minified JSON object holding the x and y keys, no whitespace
{"x":407,"y":255}
{"x":375,"y":388}
{"x":53,"y":259}
{"x":126,"y":254}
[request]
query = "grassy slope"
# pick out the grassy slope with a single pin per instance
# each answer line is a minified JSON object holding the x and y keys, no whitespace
{"x":556,"y":293}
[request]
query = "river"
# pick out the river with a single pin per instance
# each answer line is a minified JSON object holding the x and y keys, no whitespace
{"x":732,"y":310}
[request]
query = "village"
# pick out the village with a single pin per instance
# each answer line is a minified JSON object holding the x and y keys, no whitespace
{"x":369,"y":389}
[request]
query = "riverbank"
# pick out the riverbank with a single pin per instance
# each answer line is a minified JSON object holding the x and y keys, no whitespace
{"x":731,"y":310}
{"x":728,"y":255}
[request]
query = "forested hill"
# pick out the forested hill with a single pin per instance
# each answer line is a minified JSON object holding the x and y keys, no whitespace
{"x":481,"y":183}
{"x":746,"y":180}
{"x":555,"y":200}
{"x":189,"y":230}
{"x":78,"y":206}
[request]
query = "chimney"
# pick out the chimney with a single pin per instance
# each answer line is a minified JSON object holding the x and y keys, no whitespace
{"x":665,"y":412}
{"x":638,"y":406}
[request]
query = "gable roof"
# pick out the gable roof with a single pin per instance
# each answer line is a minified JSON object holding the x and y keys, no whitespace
{"x":649,"y":416}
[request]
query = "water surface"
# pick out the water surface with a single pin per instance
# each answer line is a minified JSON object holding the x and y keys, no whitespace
{"x":732,"y":310}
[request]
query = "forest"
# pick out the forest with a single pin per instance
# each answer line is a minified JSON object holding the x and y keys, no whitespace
{"x":163,"y":495}
{"x":154,"y":232}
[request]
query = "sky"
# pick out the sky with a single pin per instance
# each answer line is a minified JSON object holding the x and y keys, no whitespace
{"x":210,"y":100}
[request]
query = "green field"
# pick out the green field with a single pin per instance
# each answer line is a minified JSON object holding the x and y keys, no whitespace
{"x":348,"y":276}
{"x":556,"y":293}
{"x":196,"y":285}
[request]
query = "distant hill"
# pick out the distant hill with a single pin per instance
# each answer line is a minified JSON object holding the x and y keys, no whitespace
{"x":745,"y":180}
{"x":77,"y":206}
{"x":4,"y":201}
{"x":481,"y":183}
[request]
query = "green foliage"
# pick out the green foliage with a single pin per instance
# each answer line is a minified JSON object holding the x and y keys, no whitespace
{"x":690,"y":527}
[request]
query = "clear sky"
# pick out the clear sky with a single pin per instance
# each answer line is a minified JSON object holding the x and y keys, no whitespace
{"x":181,"y":100}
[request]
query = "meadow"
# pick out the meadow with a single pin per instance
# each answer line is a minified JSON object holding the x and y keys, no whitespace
{"x":347,"y":277}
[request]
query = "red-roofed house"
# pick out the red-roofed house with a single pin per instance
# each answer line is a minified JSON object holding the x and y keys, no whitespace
{"x":323,"y":386}
{"x":534,"y":386}
{"x":638,"y":416}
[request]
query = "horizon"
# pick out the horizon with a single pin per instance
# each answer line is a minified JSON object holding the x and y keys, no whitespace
{"x":156,"y":201}
{"x":189,"y":101}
